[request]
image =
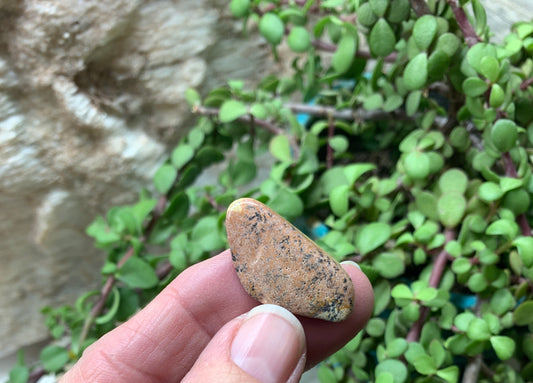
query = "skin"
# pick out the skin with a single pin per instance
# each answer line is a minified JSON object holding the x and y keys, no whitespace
{"x":187,"y":331}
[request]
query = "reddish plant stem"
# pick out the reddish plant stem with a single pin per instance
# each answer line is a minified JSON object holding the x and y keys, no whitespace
{"x":434,"y":279}
{"x":111,"y":280}
{"x":420,"y":7}
{"x":36,"y":374}
{"x":471,"y":38}
{"x":510,"y":171}
{"x":526,"y":83}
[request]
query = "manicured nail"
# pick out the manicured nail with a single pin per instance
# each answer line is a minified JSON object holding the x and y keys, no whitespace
{"x":269,"y":344}
{"x":351,"y":263}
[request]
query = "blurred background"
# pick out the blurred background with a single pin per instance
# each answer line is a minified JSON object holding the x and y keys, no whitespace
{"x":91,"y":101}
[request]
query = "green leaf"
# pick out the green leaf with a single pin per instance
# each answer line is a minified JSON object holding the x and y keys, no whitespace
{"x":375,"y":327}
{"x":208,"y":155}
{"x":490,"y":192}
{"x":287,"y":204}
{"x":497,"y":96}
{"x":478,"y":329}
{"x":510,"y":183}
{"x":416,"y":72}
{"x":344,"y":55}
{"x":389,"y":265}
{"x":523,"y":314}
{"x":503,"y":227}
{"x":397,"y":347}
{"x":54,"y":358}
{"x":326,"y":375}
{"x":454,"y":181}
{"x":394,"y":367}
{"x":178,"y":259}
{"x":424,"y":31}
{"x":231,"y":110}
{"x":137,"y":273}
{"x":449,"y":374}
{"x":401,"y":291}
{"x":365,"y":15}
{"x":503,"y":346}
{"x":102,"y":233}
{"x":451,"y":209}
{"x":164,"y":178}
{"x":339,"y":200}
{"x":385,"y":377}
{"x":242,"y":172}
{"x":477,"y":52}
{"x":381,"y":39}
{"x":502,"y":301}
{"x":192,"y":97}
{"x":239,"y":8}
{"x":382,"y":294}
{"x":207,"y":234}
{"x":417,"y":165}
{"x":299,"y":40}
{"x":19,"y":374}
{"x":373,"y":102}
{"x":525,"y":249}
{"x":112,"y":310}
{"x":425,"y":365}
{"x":413,"y":102}
{"x":474,"y":86}
{"x":379,"y":7}
{"x":196,"y":137}
{"x":372,"y":236}
{"x":339,"y":144}
{"x":271,"y":28}
{"x":480,"y":16}
{"x":181,"y":155}
{"x":354,"y":171}
{"x":399,"y":11}
{"x":448,"y":43}
{"x":280,"y":147}
{"x":490,"y":68}
{"x":461,"y":265}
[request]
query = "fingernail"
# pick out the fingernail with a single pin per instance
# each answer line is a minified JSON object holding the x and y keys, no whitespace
{"x":351,"y":263}
{"x":270,"y":344}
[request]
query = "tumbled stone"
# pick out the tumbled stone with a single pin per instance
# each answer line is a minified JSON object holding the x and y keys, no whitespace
{"x":278,"y":264}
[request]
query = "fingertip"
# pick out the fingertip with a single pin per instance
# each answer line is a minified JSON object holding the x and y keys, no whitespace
{"x":364,"y":293}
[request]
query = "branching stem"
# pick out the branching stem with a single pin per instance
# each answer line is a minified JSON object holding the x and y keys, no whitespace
{"x":471,"y":38}
{"x":434,"y":280}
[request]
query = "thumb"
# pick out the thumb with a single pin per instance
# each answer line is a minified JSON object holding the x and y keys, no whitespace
{"x":267,"y":345}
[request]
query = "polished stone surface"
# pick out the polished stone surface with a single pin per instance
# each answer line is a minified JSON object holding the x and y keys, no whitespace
{"x":278,"y":264}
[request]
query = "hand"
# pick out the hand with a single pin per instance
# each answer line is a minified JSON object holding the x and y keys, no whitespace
{"x":204,"y":327}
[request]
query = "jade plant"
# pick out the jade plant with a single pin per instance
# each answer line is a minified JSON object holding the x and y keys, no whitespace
{"x":401,"y":139}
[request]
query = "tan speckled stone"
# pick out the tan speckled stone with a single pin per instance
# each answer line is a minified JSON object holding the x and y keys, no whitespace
{"x":278,"y":264}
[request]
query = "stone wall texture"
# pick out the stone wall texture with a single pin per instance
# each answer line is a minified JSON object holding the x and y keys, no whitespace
{"x":91,"y":101}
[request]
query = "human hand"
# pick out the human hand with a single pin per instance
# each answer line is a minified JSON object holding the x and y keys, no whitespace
{"x":200,"y":329}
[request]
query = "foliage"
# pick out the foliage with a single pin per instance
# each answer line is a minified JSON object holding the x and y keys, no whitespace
{"x":411,"y":156}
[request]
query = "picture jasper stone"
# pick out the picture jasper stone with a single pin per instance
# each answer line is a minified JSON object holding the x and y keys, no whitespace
{"x":278,"y":264}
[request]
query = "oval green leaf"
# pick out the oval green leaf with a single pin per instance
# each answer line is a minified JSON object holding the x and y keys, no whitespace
{"x":424,"y":31}
{"x":344,"y":55}
{"x":381,"y":39}
{"x":372,"y":236}
{"x":416,"y":72}
{"x":231,"y":110}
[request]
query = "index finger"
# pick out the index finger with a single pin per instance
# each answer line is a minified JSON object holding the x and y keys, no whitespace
{"x":162,"y":342}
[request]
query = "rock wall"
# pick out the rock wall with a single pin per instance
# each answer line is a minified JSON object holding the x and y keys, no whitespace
{"x":91,"y":100}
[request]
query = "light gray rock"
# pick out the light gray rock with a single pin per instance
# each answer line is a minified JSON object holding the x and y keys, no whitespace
{"x":91,"y":101}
